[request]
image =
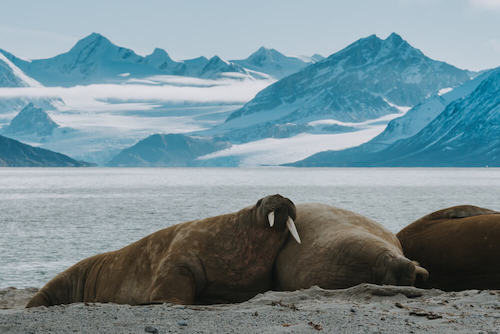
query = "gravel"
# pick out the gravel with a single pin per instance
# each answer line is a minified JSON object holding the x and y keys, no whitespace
{"x":365,"y":308}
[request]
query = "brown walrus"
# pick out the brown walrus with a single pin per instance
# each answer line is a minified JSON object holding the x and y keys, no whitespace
{"x":460,"y":246}
{"x":228,"y":258}
{"x":341,"y":249}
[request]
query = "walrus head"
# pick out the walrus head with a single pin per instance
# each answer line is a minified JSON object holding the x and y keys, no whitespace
{"x":278,"y":212}
{"x":398,"y":270}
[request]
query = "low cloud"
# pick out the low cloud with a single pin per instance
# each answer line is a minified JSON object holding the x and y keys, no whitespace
{"x":164,"y":90}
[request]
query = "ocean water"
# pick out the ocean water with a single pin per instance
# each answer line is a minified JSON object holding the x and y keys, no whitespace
{"x":50,"y":218}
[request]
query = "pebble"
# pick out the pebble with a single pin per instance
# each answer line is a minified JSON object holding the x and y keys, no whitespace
{"x":151,"y":329}
{"x":182,"y":323}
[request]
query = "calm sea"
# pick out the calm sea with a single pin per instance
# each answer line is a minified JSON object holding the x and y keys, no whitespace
{"x":51,"y":218}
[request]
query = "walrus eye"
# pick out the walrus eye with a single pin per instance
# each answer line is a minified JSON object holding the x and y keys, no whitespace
{"x":293,"y":230}
{"x":270,"y":216}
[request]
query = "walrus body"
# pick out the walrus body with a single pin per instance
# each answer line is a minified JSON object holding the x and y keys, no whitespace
{"x":227,"y":258}
{"x":460,"y":246}
{"x":341,"y":249}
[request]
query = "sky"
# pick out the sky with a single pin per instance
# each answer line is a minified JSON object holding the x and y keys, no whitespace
{"x":465,"y":33}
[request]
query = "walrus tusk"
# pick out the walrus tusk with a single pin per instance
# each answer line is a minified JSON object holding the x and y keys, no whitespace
{"x":293,"y":230}
{"x":270,"y":216}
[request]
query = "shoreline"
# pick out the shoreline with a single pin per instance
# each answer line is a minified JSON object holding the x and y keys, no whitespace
{"x":365,"y":308}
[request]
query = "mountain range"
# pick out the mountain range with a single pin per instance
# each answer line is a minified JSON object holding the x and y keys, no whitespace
{"x":371,"y":84}
{"x":95,"y":59}
{"x":368,"y":79}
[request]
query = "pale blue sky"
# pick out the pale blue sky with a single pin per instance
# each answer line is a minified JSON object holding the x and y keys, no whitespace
{"x":465,"y":33}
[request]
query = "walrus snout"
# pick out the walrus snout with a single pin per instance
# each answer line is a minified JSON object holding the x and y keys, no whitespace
{"x":279,"y":212}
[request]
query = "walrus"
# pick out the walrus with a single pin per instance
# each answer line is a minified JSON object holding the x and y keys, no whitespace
{"x":341,"y":249}
{"x":223,"y":259}
{"x":460,"y":246}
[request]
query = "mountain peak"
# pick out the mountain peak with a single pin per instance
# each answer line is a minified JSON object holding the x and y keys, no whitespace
{"x":264,"y":52}
{"x":371,"y":38}
{"x":31,"y":121}
{"x":95,"y":35}
{"x":216,"y":59}
{"x":158,"y":56}
{"x":394,"y":37}
{"x":94,"y":39}
{"x":159,"y":52}
{"x":396,"y":41}
{"x":262,"y":49}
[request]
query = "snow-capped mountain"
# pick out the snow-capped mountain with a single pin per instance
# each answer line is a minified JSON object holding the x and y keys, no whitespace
{"x":366,"y":80}
{"x":423,"y":113}
{"x":342,"y":101}
{"x":274,"y":63}
{"x":95,"y":59}
{"x":464,"y":134}
{"x":403,"y":127}
{"x":30,"y":122}
{"x":92,"y":59}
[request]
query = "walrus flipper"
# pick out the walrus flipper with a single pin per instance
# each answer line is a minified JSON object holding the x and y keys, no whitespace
{"x":460,"y":211}
{"x":178,"y":282}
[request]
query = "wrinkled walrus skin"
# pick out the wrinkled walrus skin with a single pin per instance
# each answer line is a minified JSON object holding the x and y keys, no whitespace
{"x":341,"y":249}
{"x":460,"y":246}
{"x":228,"y":258}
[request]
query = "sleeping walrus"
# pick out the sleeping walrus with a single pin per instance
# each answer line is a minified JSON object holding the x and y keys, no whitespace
{"x":460,"y":246}
{"x":341,"y":249}
{"x":227,"y":258}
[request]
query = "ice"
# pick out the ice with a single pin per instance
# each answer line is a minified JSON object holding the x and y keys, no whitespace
{"x":444,"y":91}
{"x":272,"y":151}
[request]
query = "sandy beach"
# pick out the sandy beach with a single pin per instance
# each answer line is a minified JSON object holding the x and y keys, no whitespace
{"x":365,"y":308}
